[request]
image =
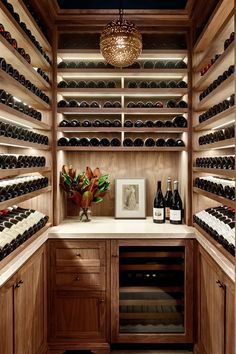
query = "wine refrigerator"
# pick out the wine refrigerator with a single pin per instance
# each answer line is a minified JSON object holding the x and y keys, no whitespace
{"x":150,"y":283}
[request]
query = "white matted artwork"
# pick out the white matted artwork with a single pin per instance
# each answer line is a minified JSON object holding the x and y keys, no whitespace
{"x":130,"y":202}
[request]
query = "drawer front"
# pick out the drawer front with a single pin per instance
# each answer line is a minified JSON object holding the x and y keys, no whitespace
{"x":82,"y":281}
{"x":80,"y":254}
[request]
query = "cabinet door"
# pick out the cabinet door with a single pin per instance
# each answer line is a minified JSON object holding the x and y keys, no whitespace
{"x":30,"y":307}
{"x":79,"y":316}
{"x":211,"y":309}
{"x":6,"y":317}
{"x":229,"y":317}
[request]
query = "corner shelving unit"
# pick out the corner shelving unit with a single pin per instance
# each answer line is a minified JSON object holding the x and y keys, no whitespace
{"x":204,"y":50}
{"x":41,"y":199}
{"x":165,"y":161}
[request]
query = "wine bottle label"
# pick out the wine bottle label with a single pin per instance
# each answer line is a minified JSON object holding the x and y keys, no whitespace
{"x":167,"y":213}
{"x":158,"y":213}
{"x":175,"y":215}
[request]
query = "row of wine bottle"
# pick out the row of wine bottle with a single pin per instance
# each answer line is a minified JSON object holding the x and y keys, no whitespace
{"x":220,"y":162}
{"x":87,"y":84}
{"x":16,"y":226}
{"x":7,"y":99}
{"x":116,"y":104}
{"x":157,"y":84}
{"x":26,"y":30}
{"x":149,"y":64}
{"x":13,"y":43}
{"x":169,"y":207}
{"x":227,"y":42}
{"x":14,"y":132}
{"x":219,"y":135}
{"x":222,"y":187}
{"x":216,"y":109}
{"x":219,"y":223}
{"x":217,"y":82}
{"x":128,"y":142}
{"x":15,"y":187}
{"x":21,"y":161}
{"x":36,"y":18}
{"x":8,"y":68}
{"x":178,"y":121}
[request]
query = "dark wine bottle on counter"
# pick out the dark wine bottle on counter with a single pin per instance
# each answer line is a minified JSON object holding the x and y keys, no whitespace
{"x":159,"y":206}
{"x":168,"y":198}
{"x":176,"y":207}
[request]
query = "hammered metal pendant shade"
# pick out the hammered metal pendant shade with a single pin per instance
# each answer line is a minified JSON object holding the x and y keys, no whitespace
{"x":120,"y":43}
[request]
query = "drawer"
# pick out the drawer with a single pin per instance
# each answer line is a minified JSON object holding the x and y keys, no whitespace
{"x":80,"y":254}
{"x":80,"y":280}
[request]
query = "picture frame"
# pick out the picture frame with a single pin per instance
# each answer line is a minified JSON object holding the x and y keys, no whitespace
{"x":130,"y":198}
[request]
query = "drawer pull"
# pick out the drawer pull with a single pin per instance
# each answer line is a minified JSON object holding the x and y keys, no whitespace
{"x":77,"y":278}
{"x":102,"y":301}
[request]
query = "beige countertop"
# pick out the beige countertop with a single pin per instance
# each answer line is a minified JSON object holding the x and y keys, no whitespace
{"x":110,"y":228}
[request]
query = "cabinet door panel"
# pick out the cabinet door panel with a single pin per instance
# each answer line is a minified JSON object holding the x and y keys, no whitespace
{"x":211,"y":310}
{"x":30,"y":308}
{"x":230,"y":320}
{"x":77,"y":316}
{"x":6,"y":318}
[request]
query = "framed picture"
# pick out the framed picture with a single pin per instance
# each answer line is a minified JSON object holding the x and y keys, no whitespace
{"x":130,"y":201}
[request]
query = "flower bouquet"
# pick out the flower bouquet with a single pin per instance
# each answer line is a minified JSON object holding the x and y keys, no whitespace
{"x":84,"y":188}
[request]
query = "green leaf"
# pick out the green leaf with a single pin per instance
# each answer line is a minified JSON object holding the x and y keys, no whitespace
{"x":86,"y":182}
{"x":97,"y":200}
{"x":102,"y":179}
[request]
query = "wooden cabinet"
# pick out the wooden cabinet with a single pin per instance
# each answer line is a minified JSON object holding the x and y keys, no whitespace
{"x":23,"y":327}
{"x":151,"y":291}
{"x":215,"y":308}
{"x":78,"y":292}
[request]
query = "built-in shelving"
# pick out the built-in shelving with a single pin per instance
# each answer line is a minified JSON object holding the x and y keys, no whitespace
{"x":122,"y":148}
{"x":22,"y":171}
{"x":21,"y":143}
{"x":223,"y":144}
{"x":23,"y":198}
{"x":138,"y":111}
{"x":220,"y":120}
{"x":17,"y":117}
{"x":215,"y":171}
{"x":22,"y":39}
{"x":122,"y":129}
{"x":215,"y":197}
{"x":21,"y":92}
{"x":160,"y":92}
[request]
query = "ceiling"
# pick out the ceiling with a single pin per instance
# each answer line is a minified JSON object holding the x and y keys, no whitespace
{"x":125,"y":4}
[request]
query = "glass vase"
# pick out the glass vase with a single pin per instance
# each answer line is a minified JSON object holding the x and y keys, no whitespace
{"x":85,"y":215}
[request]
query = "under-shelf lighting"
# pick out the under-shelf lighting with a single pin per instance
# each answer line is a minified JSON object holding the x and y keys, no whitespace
{"x":223,"y":125}
{"x":223,"y":147}
{"x":140,"y":94}
{"x":112,"y":75}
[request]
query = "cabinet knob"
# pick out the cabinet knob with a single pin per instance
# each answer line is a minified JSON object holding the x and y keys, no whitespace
{"x":77,"y":278}
{"x":115,"y":255}
{"x":18,"y":284}
{"x":78,"y":255}
{"x":220,"y":284}
{"x":21,"y":282}
{"x":102,"y":301}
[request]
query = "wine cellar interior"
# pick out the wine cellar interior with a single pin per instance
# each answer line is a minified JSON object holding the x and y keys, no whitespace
{"x":143,"y":149}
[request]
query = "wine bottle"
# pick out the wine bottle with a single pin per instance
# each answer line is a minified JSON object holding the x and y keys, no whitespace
{"x":94,"y":142}
{"x":159,"y":206}
{"x":176,"y":208}
{"x":168,"y":198}
{"x":128,"y":123}
{"x":149,"y":142}
{"x":105,"y":142}
{"x":138,"y":142}
{"x":128,"y":142}
{"x":115,"y":142}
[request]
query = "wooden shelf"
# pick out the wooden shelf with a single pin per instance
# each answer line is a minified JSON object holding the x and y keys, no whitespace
{"x":216,"y":171}
{"x":121,"y":148}
{"x":26,"y":17}
{"x":219,"y":94}
{"x":151,"y":289}
{"x":20,"y":118}
{"x":23,"y":198}
{"x":117,"y":73}
{"x":167,"y":92}
{"x":220,"y":119}
{"x":223,"y":144}
{"x":94,"y":54}
{"x":151,"y":267}
{"x":215,"y":243}
{"x":222,"y":63}
{"x":217,"y":198}
{"x":21,"y":92}
{"x":150,"y":315}
{"x":21,"y":171}
{"x":11,"y":25}
{"x":22,"y":144}
{"x":23,"y":246}
{"x":156,"y":111}
{"x":146,"y":302}
{"x":122,"y":129}
{"x":26,"y":69}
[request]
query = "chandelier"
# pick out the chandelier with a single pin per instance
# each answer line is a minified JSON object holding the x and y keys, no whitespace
{"x":120,"y":42}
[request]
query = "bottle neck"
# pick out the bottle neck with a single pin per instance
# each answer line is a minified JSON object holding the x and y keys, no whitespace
{"x":168,"y":185}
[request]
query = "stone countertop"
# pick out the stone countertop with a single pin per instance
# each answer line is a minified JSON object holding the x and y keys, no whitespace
{"x":109,"y":228}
